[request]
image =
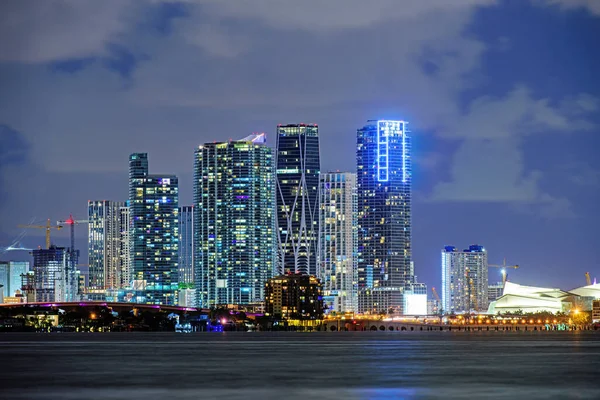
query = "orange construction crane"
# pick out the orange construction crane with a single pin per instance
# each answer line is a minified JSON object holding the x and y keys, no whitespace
{"x":435,"y":294}
{"x":47,"y":227}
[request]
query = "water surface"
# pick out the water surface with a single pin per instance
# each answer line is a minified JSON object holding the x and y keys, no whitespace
{"x":340,"y":365}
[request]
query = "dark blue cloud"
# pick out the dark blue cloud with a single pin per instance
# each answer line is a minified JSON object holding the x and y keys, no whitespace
{"x":72,"y":66}
{"x":14,"y":148}
{"x":554,"y":52}
{"x":163,"y":14}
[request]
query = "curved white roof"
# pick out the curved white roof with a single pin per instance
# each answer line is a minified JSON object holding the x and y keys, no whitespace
{"x":588,"y":291}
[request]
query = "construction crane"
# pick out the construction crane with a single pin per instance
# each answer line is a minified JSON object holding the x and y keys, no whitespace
{"x":439,"y":303}
{"x":588,"y":280}
{"x":72,"y":222}
{"x":435,"y":294}
{"x":503,"y":270}
{"x":48,"y":227}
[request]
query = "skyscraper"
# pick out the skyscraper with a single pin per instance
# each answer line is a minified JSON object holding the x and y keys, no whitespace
{"x":186,"y":244}
{"x":10,"y":276}
{"x":464,"y":279}
{"x":298,"y":168}
{"x":154,"y":233}
{"x":337,"y":265}
{"x":104,"y":244}
{"x":234,"y":221}
{"x":125,"y":251}
{"x":384,"y":215}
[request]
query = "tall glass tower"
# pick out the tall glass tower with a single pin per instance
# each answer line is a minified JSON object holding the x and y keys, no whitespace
{"x":104,"y":244}
{"x":186,"y":245}
{"x":384,"y":215}
{"x":154,"y":234}
{"x":234,"y":221}
{"x":298,"y":169}
{"x":339,"y":241}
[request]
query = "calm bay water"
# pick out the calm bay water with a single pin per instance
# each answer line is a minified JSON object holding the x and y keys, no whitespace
{"x":343,"y":365}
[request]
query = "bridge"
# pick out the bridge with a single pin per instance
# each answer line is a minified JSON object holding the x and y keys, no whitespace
{"x":112,"y":305}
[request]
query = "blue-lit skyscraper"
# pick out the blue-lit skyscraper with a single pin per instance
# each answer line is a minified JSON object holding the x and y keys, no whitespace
{"x":154,"y":233}
{"x":384,"y":215}
{"x":186,"y":245}
{"x":234,"y":221}
{"x":298,"y":169}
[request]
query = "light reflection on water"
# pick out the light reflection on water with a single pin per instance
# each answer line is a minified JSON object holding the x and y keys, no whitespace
{"x":359,"y":365}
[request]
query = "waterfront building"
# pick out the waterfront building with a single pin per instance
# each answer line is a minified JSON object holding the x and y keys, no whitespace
{"x":495,"y":291}
{"x":234,"y":221}
{"x":187,"y":298}
{"x":10,"y":276}
{"x":125,"y":250}
{"x":464,"y":279}
{"x":105,"y":244}
{"x":415,"y":299}
{"x":53,"y":277}
{"x":531,"y":299}
{"x":384,"y":215}
{"x":186,"y":245}
{"x":154,"y":232}
{"x":297,"y":200}
{"x":338,"y":243}
{"x":294,"y":297}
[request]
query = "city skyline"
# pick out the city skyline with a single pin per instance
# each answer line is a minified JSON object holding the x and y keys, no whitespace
{"x":481,"y":106}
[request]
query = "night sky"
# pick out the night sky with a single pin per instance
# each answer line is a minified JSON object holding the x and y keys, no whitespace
{"x":502,"y":99}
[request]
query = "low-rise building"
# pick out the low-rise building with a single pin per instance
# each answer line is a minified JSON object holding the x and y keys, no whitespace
{"x":294,"y":297}
{"x":596,"y":311}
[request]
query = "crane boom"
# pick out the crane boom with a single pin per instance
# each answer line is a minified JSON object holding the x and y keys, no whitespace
{"x":47,"y":227}
{"x":437,"y":297}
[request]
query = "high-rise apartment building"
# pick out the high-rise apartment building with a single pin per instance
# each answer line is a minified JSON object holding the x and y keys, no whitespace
{"x":234,"y":221}
{"x":186,"y":245}
{"x":464,"y":279}
{"x":125,"y":250}
{"x":384,"y":215}
{"x":338,"y":244}
{"x":105,"y":244}
{"x":54,"y":279}
{"x":297,"y":200}
{"x":10,"y":276}
{"x":154,"y":232}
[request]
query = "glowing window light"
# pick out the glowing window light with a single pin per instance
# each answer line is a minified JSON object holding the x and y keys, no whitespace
{"x":385,"y":130}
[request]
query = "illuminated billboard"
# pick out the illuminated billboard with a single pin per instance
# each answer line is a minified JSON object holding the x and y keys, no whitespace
{"x":415,"y":304}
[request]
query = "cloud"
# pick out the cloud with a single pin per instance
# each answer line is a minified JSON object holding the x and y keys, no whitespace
{"x":33,"y":31}
{"x":489,"y":165}
{"x":592,"y":6}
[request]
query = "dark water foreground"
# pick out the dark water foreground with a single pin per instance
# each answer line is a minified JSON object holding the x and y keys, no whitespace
{"x":348,"y":365}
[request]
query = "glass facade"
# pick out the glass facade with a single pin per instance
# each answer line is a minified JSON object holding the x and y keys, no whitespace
{"x":105,"y":244}
{"x":10,"y":275}
{"x":234,"y":221}
{"x":338,"y":244}
{"x":464,"y":279}
{"x":186,"y":245}
{"x":154,"y":232}
{"x":384,"y":215}
{"x":297,"y":200}
{"x":53,"y":278}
